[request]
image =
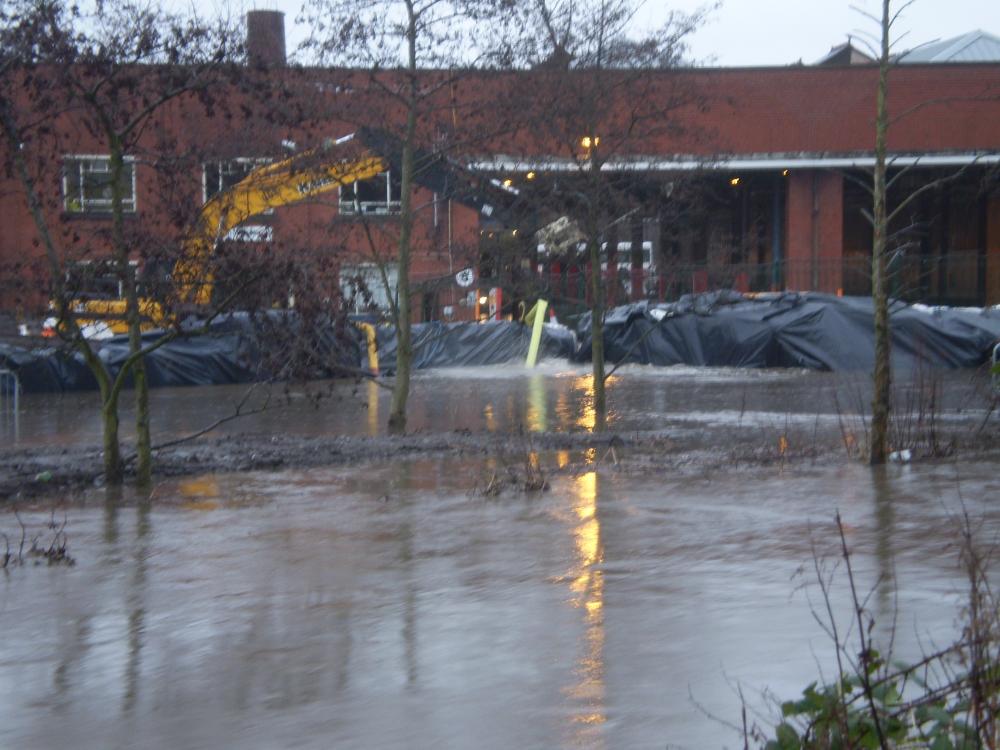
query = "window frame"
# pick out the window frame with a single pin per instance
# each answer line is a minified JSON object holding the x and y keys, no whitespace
{"x":94,"y":205}
{"x":243,"y":232}
{"x":255,"y":161}
{"x":94,"y":272}
{"x":352,"y":207}
{"x":370,"y":272}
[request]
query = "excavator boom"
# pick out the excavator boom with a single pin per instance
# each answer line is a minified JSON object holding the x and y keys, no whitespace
{"x":284,"y":183}
{"x":298,"y":178}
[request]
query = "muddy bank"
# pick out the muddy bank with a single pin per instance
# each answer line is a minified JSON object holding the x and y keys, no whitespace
{"x":40,"y":471}
{"x":662,"y":418}
{"x":692,"y":446}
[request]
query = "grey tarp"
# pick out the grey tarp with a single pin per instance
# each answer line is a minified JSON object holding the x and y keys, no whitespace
{"x":816,"y":331}
{"x":238,"y":348}
{"x":438,"y":344}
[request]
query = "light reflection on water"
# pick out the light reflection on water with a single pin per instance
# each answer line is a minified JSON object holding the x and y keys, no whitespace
{"x":385,"y":606}
{"x":556,"y":396}
{"x":588,"y":588}
{"x":509,"y":398}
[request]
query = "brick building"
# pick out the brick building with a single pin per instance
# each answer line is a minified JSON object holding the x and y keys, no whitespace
{"x":761,"y":190}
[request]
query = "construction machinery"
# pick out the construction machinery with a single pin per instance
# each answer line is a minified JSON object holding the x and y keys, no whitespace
{"x":337,"y":163}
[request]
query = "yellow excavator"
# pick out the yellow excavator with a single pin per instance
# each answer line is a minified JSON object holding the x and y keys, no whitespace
{"x":305,"y":175}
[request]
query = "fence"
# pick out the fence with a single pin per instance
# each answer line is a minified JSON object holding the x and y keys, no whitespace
{"x":10,"y":401}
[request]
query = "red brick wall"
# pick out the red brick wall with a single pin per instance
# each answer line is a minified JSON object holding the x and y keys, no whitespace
{"x":757,"y":111}
{"x":815,"y":231}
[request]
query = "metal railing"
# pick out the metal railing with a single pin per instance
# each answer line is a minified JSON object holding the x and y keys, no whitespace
{"x":10,"y":400}
{"x":953,"y":279}
{"x":995,"y":376}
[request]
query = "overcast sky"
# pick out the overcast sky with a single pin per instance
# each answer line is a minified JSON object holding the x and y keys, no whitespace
{"x":773,"y":32}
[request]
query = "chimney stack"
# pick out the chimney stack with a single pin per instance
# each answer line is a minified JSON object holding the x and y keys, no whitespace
{"x":266,"y":38}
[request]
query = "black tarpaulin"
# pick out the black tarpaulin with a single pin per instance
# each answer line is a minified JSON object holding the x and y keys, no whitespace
{"x":237,"y":348}
{"x":814,"y":331}
{"x":437,"y":344}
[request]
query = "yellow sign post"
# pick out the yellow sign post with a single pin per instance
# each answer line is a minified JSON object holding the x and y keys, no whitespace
{"x":538,"y":312}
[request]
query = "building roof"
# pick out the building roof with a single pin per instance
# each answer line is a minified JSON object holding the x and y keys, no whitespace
{"x":975,"y":46}
{"x":845,"y":54}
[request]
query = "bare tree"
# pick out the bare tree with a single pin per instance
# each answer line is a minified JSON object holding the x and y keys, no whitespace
{"x":882,"y":376}
{"x":603,"y":95}
{"x":891,"y":197}
{"x":412,"y":54}
{"x":103,"y":80}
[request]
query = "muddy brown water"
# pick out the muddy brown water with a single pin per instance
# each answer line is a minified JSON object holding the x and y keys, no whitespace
{"x":556,"y":397}
{"x":388,"y":606}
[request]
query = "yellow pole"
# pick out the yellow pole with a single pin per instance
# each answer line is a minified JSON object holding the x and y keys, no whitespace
{"x":372,"y":340}
{"x":536,"y":333}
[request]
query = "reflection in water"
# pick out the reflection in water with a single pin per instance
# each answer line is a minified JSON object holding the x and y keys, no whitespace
{"x":885,"y":528}
{"x":588,"y":588}
{"x":491,"y":422}
{"x":112,"y":500}
{"x":200,"y":494}
{"x":381,"y":606}
{"x":73,"y":651}
{"x":586,"y":415}
{"x":537,"y":417}
{"x":372,"y":396}
{"x":136,"y":607}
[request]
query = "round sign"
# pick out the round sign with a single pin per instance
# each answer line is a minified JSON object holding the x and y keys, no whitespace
{"x":465,"y":278}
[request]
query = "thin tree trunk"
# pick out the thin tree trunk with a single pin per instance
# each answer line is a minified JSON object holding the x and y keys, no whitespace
{"x":144,"y":461}
{"x":404,"y":347}
{"x":597,"y":334}
{"x":112,"y":451}
{"x":144,"y":452}
{"x":109,"y":398}
{"x":882,"y":376}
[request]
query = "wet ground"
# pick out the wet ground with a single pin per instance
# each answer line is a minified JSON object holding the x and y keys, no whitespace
{"x":382,"y":601}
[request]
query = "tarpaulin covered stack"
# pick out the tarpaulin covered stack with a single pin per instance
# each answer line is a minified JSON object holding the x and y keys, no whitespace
{"x":815,"y":331}
{"x":720,"y":329}
{"x":460,"y":344}
{"x":238,"y":348}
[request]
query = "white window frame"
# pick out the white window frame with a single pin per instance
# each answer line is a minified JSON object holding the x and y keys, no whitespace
{"x":81,"y":266}
{"x":351,"y":207}
{"x":252,"y":161}
{"x":80,"y":204}
{"x":373,"y":279}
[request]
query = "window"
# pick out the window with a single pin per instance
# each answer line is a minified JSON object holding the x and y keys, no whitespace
{"x":87,"y":184}
{"x":363,"y":289}
{"x":101,"y":279}
{"x":222,"y":175}
{"x":379,"y":195}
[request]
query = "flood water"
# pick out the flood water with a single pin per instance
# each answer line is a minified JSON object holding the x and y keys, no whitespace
{"x":504,"y":398}
{"x":391,"y":606}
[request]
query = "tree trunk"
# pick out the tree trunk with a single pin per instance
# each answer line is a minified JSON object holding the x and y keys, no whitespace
{"x":597,"y":335}
{"x":144,"y":453}
{"x":132,"y":317}
{"x":67,"y":319}
{"x":112,"y":452}
{"x":882,"y":376}
{"x":404,"y":346}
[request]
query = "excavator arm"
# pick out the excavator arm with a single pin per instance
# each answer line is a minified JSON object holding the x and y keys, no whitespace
{"x":303,"y":176}
{"x":311,"y":173}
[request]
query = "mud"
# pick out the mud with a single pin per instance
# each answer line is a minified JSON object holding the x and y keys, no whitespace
{"x":661,"y":419}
